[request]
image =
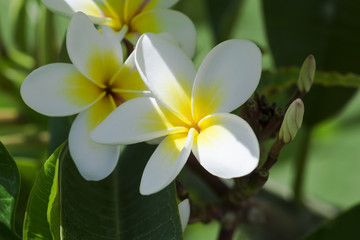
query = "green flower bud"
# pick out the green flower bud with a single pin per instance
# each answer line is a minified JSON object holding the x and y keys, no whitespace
{"x":307,"y":74}
{"x":292,"y":121}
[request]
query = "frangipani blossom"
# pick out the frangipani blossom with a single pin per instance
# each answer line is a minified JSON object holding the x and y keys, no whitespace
{"x":134,"y":16}
{"x":93,"y":86}
{"x":191,"y":109}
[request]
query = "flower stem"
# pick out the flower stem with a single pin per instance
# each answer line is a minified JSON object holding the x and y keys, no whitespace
{"x":300,"y":165}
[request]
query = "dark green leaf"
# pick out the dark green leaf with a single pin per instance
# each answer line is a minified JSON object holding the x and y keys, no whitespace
{"x":222,"y":17}
{"x":42,"y":217}
{"x":325,"y":29}
{"x":7,"y":234}
{"x":59,"y":128}
{"x":113,"y":208}
{"x":9,"y":188}
{"x":345,"y":226}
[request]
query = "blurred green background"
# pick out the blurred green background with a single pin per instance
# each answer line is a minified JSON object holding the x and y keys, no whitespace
{"x":286,"y":31}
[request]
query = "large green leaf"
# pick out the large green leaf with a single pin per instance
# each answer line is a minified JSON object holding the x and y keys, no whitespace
{"x":345,"y":226}
{"x":113,"y":208}
{"x":7,"y":234}
{"x":9,"y":188}
{"x":42,"y":217}
{"x":326,"y":29}
{"x":222,"y":16}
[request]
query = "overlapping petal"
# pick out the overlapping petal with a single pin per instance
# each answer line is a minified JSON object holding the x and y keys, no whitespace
{"x":170,"y":21}
{"x":166,"y":162}
{"x":69,"y":7}
{"x":167,"y":72}
{"x":227,"y":147}
{"x":134,"y":7}
{"x":94,"y":161}
{"x":97,"y":56}
{"x":227,"y":77}
{"x":99,"y":111}
{"x":128,"y":82}
{"x":58,"y":89}
{"x":138,"y":120}
{"x":115,"y":8}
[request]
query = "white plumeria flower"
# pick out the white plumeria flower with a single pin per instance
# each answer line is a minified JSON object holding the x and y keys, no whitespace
{"x":191,"y":109}
{"x":135,"y":16}
{"x":94,"y":85}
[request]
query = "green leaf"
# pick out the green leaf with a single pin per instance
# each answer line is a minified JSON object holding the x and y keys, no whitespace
{"x":42,"y":217}
{"x":9,"y":188}
{"x":344,"y":226}
{"x":322,"y":28}
{"x":113,"y":208}
{"x":7,"y":234}
{"x":222,"y":16}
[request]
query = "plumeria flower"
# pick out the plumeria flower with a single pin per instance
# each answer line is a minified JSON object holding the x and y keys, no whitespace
{"x":133,"y":16}
{"x":190,"y":109}
{"x":94,"y":85}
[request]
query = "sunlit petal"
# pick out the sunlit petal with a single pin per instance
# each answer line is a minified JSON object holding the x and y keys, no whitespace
{"x":170,"y":21}
{"x":58,"y":89}
{"x":226,"y":146}
{"x":138,"y":120}
{"x":227,"y":77}
{"x":97,"y":56}
{"x":166,"y":162}
{"x":94,"y":161}
{"x":184,"y":211}
{"x":134,"y":7}
{"x":167,"y":71}
{"x":69,"y":7}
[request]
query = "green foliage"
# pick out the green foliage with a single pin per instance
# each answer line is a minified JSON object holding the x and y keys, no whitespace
{"x":113,"y":208}
{"x":7,"y":234}
{"x":282,"y":79}
{"x":222,"y":15}
{"x":42,"y":217}
{"x":9,"y":189}
{"x":324,"y":29}
{"x":109,"y":209}
{"x":344,"y":226}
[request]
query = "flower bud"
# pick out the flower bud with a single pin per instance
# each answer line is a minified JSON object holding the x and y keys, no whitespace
{"x":307,"y":74}
{"x":292,"y":121}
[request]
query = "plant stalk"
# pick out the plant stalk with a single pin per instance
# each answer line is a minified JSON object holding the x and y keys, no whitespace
{"x":300,"y":165}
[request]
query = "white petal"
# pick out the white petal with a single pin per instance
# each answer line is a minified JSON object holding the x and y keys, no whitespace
{"x":166,"y":162}
{"x":169,"y":21}
{"x":69,"y":7}
{"x":167,"y":72}
{"x":134,"y":7}
{"x":226,"y":146}
{"x":96,"y":55}
{"x":58,"y":89}
{"x":94,"y":161}
{"x":128,"y":82}
{"x":184,"y":211}
{"x":227,"y":77}
{"x":137,"y":120}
